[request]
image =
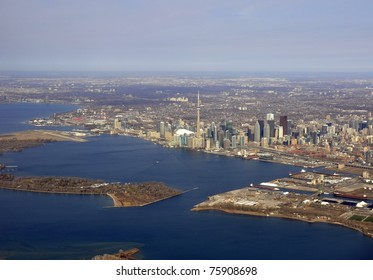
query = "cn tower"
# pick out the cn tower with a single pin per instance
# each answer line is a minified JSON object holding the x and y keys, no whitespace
{"x":198,"y":117}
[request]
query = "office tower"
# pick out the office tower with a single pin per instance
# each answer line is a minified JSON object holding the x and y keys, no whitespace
{"x":228,"y":134}
{"x":267,"y":131}
{"x":354,"y":124}
{"x":226,"y":144}
{"x":271,"y":124}
{"x":315,"y":138}
{"x":280,"y":132}
{"x":117,"y":124}
{"x":222,"y":125}
{"x":261,"y":125}
{"x":250,"y":135}
{"x":230,"y":127}
{"x":363,"y":124}
{"x":324,"y":129}
{"x":284,"y":124}
{"x":162,"y":129}
{"x":208,"y":144}
{"x":290,"y":127}
{"x":270,"y":117}
{"x":257,"y":135}
{"x":264,"y":142}
{"x":234,"y":141}
{"x":242,"y":141}
{"x":369,"y":157}
{"x":214,"y":131}
{"x":221,"y":138}
{"x":331,"y":130}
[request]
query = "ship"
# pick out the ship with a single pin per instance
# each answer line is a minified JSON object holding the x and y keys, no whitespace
{"x":352,"y":195}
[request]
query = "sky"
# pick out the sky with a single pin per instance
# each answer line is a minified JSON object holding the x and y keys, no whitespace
{"x":187,"y":35}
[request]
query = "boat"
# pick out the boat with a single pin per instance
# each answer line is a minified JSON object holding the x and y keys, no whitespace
{"x":351,"y":195}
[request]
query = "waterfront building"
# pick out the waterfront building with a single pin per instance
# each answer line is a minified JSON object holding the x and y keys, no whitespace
{"x":215,"y":133}
{"x":168,"y":136}
{"x":242,"y":140}
{"x":264,"y":142}
{"x":226,"y":144}
{"x":208,"y":144}
{"x":234,"y":142}
{"x":221,"y":138}
{"x":117,"y":124}
{"x":162,"y":130}
{"x":177,"y":140}
{"x":272,"y":141}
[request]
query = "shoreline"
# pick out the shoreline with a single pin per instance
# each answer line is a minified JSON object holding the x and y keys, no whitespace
{"x":122,"y":195}
{"x":279,"y":216}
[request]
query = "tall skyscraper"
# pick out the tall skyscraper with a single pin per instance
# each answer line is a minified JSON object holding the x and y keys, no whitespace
{"x":162,"y":129}
{"x":234,"y":141}
{"x":280,"y":132}
{"x":261,"y":125}
{"x":214,"y":131}
{"x":257,"y":132}
{"x":270,"y":117}
{"x":284,"y":124}
{"x":271,"y":124}
{"x":289,"y":127}
{"x":117,"y":124}
{"x":230,"y":127}
{"x":267,"y":130}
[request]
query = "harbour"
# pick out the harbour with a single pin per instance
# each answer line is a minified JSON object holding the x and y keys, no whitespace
{"x":38,"y":226}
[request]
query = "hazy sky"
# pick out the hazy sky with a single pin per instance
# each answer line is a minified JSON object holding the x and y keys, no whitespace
{"x":187,"y":35}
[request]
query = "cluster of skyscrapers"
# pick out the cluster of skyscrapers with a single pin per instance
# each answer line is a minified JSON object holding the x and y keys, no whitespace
{"x":224,"y":135}
{"x":265,"y":132}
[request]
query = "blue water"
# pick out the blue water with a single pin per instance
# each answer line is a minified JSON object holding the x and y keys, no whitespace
{"x":13,"y":117}
{"x":50,"y":226}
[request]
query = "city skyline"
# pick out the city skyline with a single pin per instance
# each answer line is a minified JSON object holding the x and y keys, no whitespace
{"x":278,"y":36}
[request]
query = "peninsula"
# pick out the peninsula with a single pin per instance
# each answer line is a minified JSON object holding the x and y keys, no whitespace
{"x":123,"y":195}
{"x":275,"y":203}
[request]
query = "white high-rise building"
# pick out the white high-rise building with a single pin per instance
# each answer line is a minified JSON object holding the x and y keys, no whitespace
{"x":270,"y":117}
{"x":280,"y":132}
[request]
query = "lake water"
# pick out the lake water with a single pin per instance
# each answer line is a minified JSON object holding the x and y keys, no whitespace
{"x":51,"y":226}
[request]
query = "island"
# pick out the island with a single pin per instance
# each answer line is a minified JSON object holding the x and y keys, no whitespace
{"x":273,"y":202}
{"x":121,"y":255}
{"x":18,"y":141}
{"x":123,"y":194}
